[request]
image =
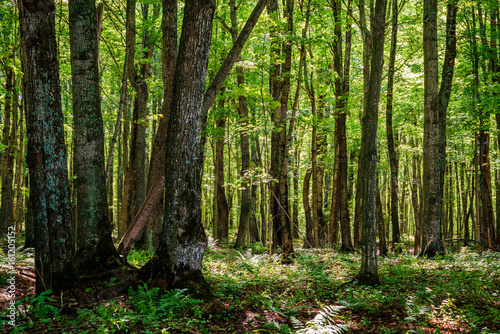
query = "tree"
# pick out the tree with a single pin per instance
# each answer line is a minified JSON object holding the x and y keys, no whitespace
{"x":342,"y":69}
{"x":393,"y":159}
{"x":245,"y":208}
{"x":177,"y":260}
{"x":279,"y":85}
{"x":94,"y":243}
{"x":7,"y":157}
{"x":47,"y":157}
{"x":368,"y":273}
{"x":435,"y":106}
{"x":168,"y":72}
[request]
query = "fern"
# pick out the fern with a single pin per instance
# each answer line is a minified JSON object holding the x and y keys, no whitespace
{"x":323,"y":322}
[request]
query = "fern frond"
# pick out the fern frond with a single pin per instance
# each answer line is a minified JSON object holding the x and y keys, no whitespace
{"x":324,"y":322}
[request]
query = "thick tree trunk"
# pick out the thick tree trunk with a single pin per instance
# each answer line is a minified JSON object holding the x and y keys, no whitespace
{"x":169,"y":25}
{"x":177,"y":262}
{"x":47,"y":157}
{"x":93,"y":228}
{"x":432,"y":165}
{"x":368,"y":273}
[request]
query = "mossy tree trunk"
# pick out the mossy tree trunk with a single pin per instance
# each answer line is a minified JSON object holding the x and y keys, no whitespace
{"x":95,"y":247}
{"x":47,"y":156}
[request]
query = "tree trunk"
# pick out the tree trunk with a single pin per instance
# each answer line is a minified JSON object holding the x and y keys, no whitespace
{"x":18,"y":213}
{"x":393,"y":159}
{"x":381,"y":226}
{"x":7,"y":158}
{"x":295,"y":176}
{"x":254,"y":225}
{"x":47,"y":157}
{"x":221,"y":215}
{"x":308,"y":240}
{"x":432,"y":164}
{"x":368,"y":273}
{"x":94,"y":244}
{"x":279,"y":84}
{"x":341,"y":100}
{"x":415,"y":186}
{"x":177,"y":262}
{"x":245,"y":207}
{"x":139,"y":82}
{"x":169,"y":24}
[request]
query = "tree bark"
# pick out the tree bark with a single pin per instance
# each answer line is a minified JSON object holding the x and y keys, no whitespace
{"x":221,"y":215}
{"x":432,"y":165}
{"x":308,"y":241}
{"x":393,"y":159}
{"x":245,"y":207}
{"x":94,"y":244}
{"x":368,"y":273}
{"x":169,"y":20}
{"x":342,"y":70}
{"x":177,"y":262}
{"x":279,"y":84}
{"x":47,"y":157}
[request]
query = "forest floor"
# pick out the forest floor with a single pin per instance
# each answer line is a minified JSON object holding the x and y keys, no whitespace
{"x":318,"y":293}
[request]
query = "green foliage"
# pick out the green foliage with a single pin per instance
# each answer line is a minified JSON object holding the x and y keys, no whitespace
{"x":139,"y":257}
{"x":148,"y":302}
{"x":323,"y":323}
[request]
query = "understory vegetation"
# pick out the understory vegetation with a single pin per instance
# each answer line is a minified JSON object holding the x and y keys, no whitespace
{"x":318,"y":293}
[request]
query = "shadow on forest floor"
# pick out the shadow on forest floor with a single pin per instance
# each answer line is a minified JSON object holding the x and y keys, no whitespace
{"x":318,"y":293}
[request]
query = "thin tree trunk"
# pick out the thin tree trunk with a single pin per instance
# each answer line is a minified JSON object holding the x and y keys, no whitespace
{"x":381,"y":226}
{"x":308,"y":241}
{"x":393,"y":159}
{"x":7,"y":158}
{"x":245,"y":207}
{"x":341,"y":95}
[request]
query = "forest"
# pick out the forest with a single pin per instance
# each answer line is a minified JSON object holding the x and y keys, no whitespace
{"x":261,"y":166}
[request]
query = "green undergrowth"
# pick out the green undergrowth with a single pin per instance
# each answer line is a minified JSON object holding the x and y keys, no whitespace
{"x":318,"y":293}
